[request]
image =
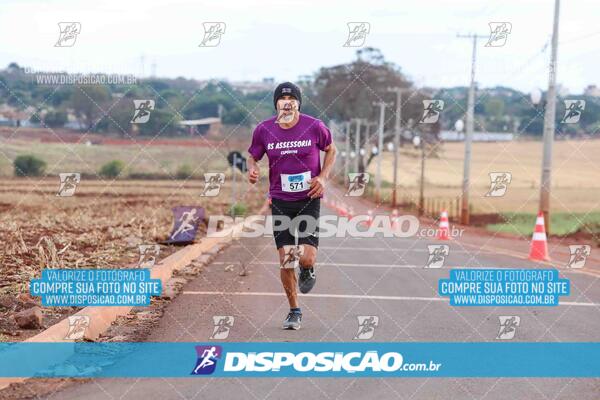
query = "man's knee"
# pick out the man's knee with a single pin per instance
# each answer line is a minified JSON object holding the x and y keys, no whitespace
{"x":308,"y":259}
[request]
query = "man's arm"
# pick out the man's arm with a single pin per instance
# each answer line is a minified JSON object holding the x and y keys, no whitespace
{"x":329,"y":161}
{"x":253,"y":170}
{"x":317,"y":184}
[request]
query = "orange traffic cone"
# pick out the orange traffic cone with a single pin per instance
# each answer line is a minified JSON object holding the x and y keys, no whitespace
{"x":350,"y":213}
{"x":444,"y":230}
{"x":539,"y":244}
{"x":369,"y":220}
{"x":343,"y":210}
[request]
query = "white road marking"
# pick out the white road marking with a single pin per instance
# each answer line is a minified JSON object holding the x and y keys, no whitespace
{"x":318,"y":295}
{"x":338,"y":264}
{"x":357,"y":296}
{"x":401,"y":266}
{"x":410,"y":250}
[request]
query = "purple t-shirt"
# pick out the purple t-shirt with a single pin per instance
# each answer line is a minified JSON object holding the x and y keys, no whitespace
{"x":293,"y":152}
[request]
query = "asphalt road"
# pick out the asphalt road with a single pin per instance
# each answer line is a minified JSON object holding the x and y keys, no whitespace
{"x":382,"y":277}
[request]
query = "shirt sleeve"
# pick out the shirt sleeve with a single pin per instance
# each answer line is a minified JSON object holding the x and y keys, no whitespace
{"x":257,"y":147}
{"x":324,"y":136}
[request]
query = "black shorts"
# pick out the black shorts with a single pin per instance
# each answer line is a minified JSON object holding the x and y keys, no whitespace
{"x":305,"y":226}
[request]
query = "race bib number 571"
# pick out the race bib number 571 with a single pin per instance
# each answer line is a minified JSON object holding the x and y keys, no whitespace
{"x":295,"y":182}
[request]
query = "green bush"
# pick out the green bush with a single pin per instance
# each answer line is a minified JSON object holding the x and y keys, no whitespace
{"x":112,"y":169}
{"x":185,"y":171}
{"x":239,"y":209}
{"x":149,"y":176}
{"x":29,"y":165}
{"x":55,"y":119}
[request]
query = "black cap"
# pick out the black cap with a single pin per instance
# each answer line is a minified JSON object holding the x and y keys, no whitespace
{"x":287,"y":89}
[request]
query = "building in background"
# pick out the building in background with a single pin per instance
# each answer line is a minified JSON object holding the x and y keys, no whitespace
{"x":210,"y":126}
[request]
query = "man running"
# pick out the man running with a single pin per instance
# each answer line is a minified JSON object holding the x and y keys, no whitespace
{"x":293,"y":143}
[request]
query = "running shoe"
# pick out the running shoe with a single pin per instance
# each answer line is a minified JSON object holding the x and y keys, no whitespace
{"x":306,"y":279}
{"x":292,"y":321}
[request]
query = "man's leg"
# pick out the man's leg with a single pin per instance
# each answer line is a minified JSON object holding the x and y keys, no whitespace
{"x":309,"y":239}
{"x":288,"y":275}
{"x":306,"y":275}
{"x":288,"y":280}
{"x":288,"y":259}
{"x":309,"y":258}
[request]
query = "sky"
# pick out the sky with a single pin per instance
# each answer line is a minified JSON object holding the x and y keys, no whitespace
{"x":288,"y":39}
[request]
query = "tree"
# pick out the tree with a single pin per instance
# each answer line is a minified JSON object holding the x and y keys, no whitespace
{"x":35,"y":118}
{"x":89,"y":101}
{"x":348,"y":91}
{"x":236,"y":116}
{"x":161,"y":122}
{"x":120,"y":117}
{"x":55,"y":119}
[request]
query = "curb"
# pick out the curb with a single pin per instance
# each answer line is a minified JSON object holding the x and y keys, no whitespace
{"x":101,"y":318}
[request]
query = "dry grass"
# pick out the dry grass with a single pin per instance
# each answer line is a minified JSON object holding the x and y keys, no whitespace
{"x":576,"y":168}
{"x":100,"y":227}
{"x":162,"y":160}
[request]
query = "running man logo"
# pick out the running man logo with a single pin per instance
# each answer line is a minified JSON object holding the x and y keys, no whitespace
{"x":286,"y":110}
{"x":357,"y":34}
{"x":499,"y":182}
{"x":207,"y":359}
{"x":77,"y":326}
{"x":212,"y":184}
{"x":223,"y":324}
{"x":431,"y":111}
{"x":212,"y":34}
{"x":579,"y":254}
{"x":148,"y":255}
{"x":68,"y":183}
{"x":499,"y":32}
{"x":366,"y":326}
{"x":573,"y":111}
{"x":357,"y":183}
{"x":187,"y":219}
{"x":508,"y":326}
{"x":68,"y":34}
{"x":141,"y":114}
{"x":437,"y":255}
{"x":291,"y":257}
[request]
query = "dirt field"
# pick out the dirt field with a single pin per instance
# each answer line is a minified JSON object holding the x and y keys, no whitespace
{"x":575,"y":183}
{"x":100,"y":227}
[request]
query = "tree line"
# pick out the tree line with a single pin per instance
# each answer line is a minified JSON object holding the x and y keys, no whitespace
{"x":340,"y":92}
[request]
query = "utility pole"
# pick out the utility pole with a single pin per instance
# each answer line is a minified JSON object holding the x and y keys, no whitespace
{"x":422,"y":180}
{"x":233,"y":194}
{"x":464,"y":214}
{"x":357,"y":144}
{"x":347,"y":158}
{"x":549,"y":124}
{"x":397,"y":129}
{"x":368,"y":126}
{"x":381,"y":106}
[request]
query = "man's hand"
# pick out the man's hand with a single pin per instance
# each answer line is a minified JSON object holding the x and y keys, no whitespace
{"x":253,"y":174}
{"x":317,"y":187}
